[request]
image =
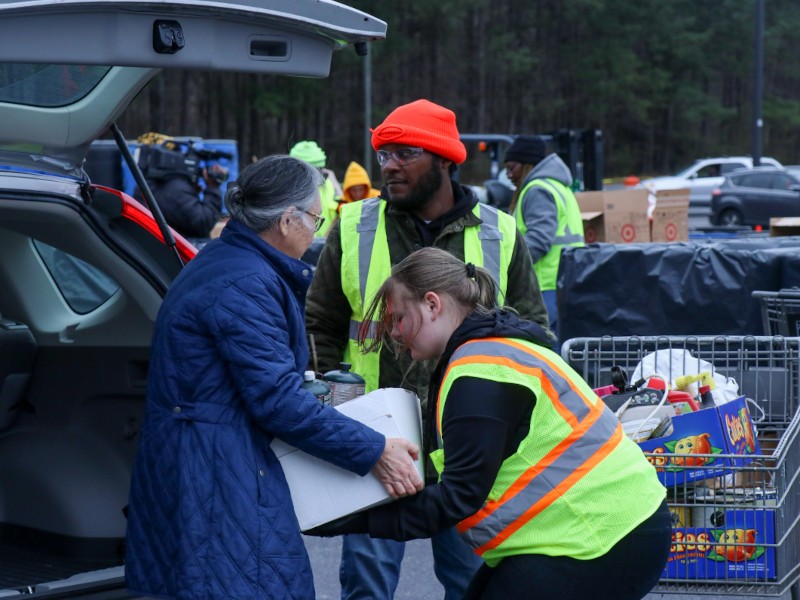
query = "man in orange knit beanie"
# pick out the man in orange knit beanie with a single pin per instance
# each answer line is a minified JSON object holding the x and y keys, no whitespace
{"x":418,"y":148}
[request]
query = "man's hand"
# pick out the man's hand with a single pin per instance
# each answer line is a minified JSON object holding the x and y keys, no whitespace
{"x":395,"y":469}
{"x":215,"y":175}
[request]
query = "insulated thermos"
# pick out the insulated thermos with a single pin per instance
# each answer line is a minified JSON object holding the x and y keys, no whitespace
{"x":345,"y":385}
{"x":319,"y":388}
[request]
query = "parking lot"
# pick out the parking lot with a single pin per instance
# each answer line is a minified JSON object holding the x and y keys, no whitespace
{"x":417,"y":581}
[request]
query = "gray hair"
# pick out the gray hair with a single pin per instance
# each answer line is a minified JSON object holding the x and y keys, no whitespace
{"x":265,"y":189}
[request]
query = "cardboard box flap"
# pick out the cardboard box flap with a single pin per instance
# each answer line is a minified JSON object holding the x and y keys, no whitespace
{"x":588,"y":216}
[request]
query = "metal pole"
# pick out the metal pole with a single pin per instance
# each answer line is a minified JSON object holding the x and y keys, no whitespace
{"x":368,"y":112}
{"x":758,"y":84}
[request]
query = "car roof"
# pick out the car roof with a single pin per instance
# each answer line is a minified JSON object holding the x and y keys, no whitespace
{"x":69,"y":69}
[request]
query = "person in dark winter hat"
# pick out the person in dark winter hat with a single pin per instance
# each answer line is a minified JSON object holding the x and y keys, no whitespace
{"x":527,"y":150}
{"x":418,"y":147}
{"x":545,"y":210}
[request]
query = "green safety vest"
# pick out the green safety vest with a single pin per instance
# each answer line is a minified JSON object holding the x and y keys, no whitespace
{"x":366,"y":264}
{"x":575,"y":485}
{"x":569,"y":231}
{"x":327,"y":199}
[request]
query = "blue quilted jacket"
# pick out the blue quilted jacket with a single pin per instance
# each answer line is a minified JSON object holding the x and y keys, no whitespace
{"x":210,"y":514}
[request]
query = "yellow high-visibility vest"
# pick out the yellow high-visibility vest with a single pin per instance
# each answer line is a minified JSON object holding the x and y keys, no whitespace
{"x":366,"y":264}
{"x":575,"y":485}
{"x":569,"y":230}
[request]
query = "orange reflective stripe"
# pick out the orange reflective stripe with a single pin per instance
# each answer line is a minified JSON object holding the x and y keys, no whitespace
{"x":525,"y":478}
{"x":557,"y":492}
{"x":551,"y":364}
{"x":547,"y":386}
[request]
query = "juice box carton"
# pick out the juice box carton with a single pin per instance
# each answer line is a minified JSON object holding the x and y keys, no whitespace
{"x":690,"y":452}
{"x":737,"y":547}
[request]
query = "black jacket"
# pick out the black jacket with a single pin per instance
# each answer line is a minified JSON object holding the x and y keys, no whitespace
{"x":178,"y":199}
{"x":483,"y":423}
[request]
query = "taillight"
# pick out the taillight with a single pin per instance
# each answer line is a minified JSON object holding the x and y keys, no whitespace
{"x":716,"y":192}
{"x":136,"y":212}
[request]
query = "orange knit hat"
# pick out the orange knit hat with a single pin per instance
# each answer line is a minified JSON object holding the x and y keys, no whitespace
{"x":425,"y":124}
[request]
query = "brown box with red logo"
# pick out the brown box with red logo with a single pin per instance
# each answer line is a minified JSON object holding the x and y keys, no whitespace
{"x":670,"y":222}
{"x":614,"y":217}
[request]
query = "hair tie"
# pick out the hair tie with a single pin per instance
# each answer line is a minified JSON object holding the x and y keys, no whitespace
{"x":470,"y":270}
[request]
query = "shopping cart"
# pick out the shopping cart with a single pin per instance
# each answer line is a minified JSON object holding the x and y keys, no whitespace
{"x":780,"y":311}
{"x":745,"y":538}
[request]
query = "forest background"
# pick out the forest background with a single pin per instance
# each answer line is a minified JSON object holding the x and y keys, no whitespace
{"x":665,"y":81}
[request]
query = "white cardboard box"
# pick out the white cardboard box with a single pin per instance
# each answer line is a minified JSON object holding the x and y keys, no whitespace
{"x":321,"y":491}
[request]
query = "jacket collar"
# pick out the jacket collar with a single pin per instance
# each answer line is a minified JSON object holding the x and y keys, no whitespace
{"x":464,"y":200}
{"x":296,"y":273}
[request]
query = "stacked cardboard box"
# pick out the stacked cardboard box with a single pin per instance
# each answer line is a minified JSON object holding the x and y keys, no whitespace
{"x":621,"y":216}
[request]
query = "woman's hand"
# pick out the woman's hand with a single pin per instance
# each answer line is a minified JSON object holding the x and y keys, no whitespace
{"x":395,"y":469}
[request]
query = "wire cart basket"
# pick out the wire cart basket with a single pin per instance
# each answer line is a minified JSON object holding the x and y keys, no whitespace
{"x":780,"y":311}
{"x":736,"y":517}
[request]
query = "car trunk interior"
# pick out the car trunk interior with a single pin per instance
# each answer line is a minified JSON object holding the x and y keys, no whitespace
{"x":72,"y":389}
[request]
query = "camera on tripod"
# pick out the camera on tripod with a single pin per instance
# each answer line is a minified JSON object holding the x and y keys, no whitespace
{"x":157,"y":161}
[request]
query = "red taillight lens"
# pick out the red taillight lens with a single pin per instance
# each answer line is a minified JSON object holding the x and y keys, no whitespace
{"x":716,"y":192}
{"x":136,"y":212}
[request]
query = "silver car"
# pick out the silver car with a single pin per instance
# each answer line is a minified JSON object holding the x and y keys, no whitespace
{"x":701,"y":178}
{"x":83,"y":269}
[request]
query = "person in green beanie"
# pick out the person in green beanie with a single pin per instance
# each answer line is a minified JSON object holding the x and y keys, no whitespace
{"x":309,"y":151}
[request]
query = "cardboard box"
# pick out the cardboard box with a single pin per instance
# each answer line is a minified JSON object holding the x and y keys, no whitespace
{"x":321,"y":491}
{"x":735,"y":548}
{"x":722,"y":430}
{"x":670,"y":222}
{"x":618,"y":217}
{"x":781,"y":226}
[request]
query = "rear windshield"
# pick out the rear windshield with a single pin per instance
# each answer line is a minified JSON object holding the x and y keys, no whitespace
{"x":47,"y":85}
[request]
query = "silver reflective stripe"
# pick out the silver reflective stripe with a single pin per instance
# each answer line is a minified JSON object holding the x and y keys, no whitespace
{"x":568,"y":238}
{"x":551,"y":477}
{"x":571,"y":400}
{"x":367,"y":228}
{"x":491,"y":237}
{"x":356,"y":325}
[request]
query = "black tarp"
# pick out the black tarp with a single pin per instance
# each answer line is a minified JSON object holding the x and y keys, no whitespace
{"x":687,"y":288}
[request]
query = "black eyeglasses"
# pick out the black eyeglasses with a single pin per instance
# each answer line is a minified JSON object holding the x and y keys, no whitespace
{"x":318,"y":219}
{"x":402,"y":156}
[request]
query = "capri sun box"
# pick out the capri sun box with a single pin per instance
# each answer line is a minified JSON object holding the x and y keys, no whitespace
{"x":321,"y":491}
{"x":689,"y":452}
{"x":740,"y":547}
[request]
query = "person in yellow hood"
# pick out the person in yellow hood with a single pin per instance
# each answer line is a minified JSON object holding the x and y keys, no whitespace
{"x":356,"y":185}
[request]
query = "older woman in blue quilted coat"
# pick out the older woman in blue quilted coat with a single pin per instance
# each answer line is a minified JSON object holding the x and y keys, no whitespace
{"x":210,"y":514}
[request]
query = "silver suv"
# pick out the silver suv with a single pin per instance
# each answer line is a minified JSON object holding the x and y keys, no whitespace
{"x":84,"y":268}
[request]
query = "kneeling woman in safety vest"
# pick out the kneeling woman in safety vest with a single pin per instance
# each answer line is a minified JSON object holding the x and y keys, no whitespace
{"x":534,"y":470}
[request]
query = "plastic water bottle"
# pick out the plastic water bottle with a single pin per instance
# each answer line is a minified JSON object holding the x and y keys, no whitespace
{"x":319,"y":388}
{"x":345,"y":384}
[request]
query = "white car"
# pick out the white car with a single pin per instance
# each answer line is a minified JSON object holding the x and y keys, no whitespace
{"x":701,"y":178}
{"x":84,"y":268}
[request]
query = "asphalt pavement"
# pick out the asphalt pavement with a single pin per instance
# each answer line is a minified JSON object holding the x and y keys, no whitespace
{"x":417,"y":581}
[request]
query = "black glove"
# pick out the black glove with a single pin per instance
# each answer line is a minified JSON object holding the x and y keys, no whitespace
{"x":355,"y":523}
